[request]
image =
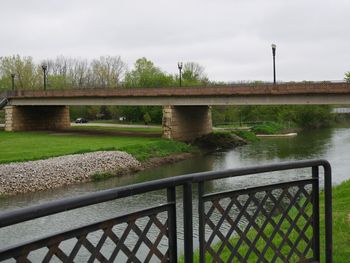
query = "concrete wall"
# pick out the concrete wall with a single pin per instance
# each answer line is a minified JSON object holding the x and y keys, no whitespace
{"x":26,"y":118}
{"x":185,"y":123}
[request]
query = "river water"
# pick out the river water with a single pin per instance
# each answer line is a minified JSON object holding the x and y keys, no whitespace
{"x":330,"y":144}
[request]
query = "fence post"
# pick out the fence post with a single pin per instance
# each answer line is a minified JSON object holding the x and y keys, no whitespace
{"x":188,"y":224}
{"x":171,"y":196}
{"x":328,"y":212}
{"x":201,"y":226}
{"x":316,"y":213}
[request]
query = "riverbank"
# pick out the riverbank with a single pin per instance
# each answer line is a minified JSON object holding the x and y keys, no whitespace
{"x":35,"y":161}
{"x":33,"y":176}
{"x":30,"y":146}
{"x":56,"y":172}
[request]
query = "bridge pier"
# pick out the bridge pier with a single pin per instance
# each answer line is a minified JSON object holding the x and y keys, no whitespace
{"x":186,"y":123}
{"x":26,"y":118}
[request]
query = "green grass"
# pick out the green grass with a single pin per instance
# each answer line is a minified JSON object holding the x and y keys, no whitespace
{"x":162,"y":148}
{"x":25,"y":146}
{"x":341,"y":222}
{"x":247,"y":135}
{"x":102,"y":176}
{"x":267,"y":128}
{"x":116,"y":122}
{"x":341,"y":231}
{"x":118,"y":129}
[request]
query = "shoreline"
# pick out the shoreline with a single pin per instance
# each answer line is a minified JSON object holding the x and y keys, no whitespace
{"x":42,"y":175}
{"x":291,"y":134}
{"x":159,"y":161}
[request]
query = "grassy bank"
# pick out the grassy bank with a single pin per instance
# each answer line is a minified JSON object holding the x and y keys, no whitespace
{"x":25,"y":146}
{"x":155,"y":130}
{"x":341,"y":230}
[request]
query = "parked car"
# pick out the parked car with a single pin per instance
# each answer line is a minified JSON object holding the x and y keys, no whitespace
{"x":81,"y":120}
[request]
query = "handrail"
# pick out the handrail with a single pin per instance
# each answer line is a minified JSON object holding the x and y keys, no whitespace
{"x":53,"y":207}
{"x":20,"y":251}
{"x":3,"y":103}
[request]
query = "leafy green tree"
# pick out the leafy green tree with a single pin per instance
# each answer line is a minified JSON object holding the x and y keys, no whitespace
{"x":315,"y":116}
{"x":27,"y":74}
{"x":347,"y":77}
{"x":146,"y":75}
{"x":147,"y":118}
{"x":307,"y":116}
{"x":225,"y":114}
{"x":137,"y":113}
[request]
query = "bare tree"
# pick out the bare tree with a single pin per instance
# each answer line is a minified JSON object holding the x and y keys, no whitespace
{"x":194,"y":72}
{"x":108,"y":71}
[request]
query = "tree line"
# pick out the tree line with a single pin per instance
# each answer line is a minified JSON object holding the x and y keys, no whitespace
{"x":112,"y":72}
{"x":103,"y":72}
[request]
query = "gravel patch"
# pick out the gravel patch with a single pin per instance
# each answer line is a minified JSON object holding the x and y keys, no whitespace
{"x":55,"y":172}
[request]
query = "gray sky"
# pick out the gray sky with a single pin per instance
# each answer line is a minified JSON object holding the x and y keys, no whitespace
{"x":230,"y":38}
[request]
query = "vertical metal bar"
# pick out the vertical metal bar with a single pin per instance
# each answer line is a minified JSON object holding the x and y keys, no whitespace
{"x":274,"y":62}
{"x":316,"y":213}
{"x":171,"y":196}
{"x":13,"y":81}
{"x":328,"y":212}
{"x":45,"y":79}
{"x":201,"y":227}
{"x":274,"y":70}
{"x":188,"y":224}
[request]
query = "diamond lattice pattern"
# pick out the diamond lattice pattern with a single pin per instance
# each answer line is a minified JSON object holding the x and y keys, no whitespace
{"x":143,"y":239}
{"x":272,"y":225}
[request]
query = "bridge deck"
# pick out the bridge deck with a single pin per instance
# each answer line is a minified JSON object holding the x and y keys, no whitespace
{"x":286,"y":93}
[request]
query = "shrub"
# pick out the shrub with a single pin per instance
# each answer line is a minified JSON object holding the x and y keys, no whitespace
{"x":267,"y":128}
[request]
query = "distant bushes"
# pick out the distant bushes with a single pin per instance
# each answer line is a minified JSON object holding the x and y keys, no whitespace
{"x":247,"y":135}
{"x":267,"y":128}
{"x":302,"y":116}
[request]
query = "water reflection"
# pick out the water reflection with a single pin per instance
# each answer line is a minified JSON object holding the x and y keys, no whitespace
{"x":307,"y":145}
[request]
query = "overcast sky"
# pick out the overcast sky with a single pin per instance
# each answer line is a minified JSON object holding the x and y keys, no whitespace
{"x":230,"y":38}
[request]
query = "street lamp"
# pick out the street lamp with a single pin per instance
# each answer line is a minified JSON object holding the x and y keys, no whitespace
{"x":274,"y":62}
{"x":179,"y":66}
{"x":13,"y":80}
{"x":44,"y":67}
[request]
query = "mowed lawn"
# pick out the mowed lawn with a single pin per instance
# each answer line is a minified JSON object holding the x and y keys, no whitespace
{"x":24,"y":146}
{"x":153,"y":130}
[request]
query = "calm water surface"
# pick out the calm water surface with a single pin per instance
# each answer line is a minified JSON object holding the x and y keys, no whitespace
{"x":330,"y":144}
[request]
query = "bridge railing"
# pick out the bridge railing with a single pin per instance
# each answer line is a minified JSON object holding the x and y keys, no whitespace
{"x":264,"y":223}
{"x":9,"y":91}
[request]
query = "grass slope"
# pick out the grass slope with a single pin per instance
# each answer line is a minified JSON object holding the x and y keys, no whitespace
{"x":25,"y":146}
{"x":118,"y":129}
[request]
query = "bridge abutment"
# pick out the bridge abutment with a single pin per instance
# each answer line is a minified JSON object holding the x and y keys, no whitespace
{"x":186,"y":123}
{"x":26,"y":118}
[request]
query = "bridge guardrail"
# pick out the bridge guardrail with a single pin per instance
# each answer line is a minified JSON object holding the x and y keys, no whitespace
{"x":3,"y":102}
{"x":279,"y":221}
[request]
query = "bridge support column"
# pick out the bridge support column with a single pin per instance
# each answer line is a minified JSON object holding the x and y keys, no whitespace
{"x":186,"y":123}
{"x":26,"y":118}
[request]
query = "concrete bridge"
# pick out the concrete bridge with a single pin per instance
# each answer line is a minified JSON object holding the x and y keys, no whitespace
{"x":186,"y":111}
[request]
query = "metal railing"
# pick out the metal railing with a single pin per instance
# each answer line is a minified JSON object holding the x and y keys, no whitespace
{"x":266,"y":223}
{"x":238,"y":83}
{"x":3,"y":102}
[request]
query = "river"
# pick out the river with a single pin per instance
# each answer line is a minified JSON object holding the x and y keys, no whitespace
{"x":330,"y":144}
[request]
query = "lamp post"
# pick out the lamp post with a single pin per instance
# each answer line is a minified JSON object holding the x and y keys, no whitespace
{"x":44,"y":67}
{"x":13,"y":80}
{"x":274,"y":62}
{"x":179,"y":66}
